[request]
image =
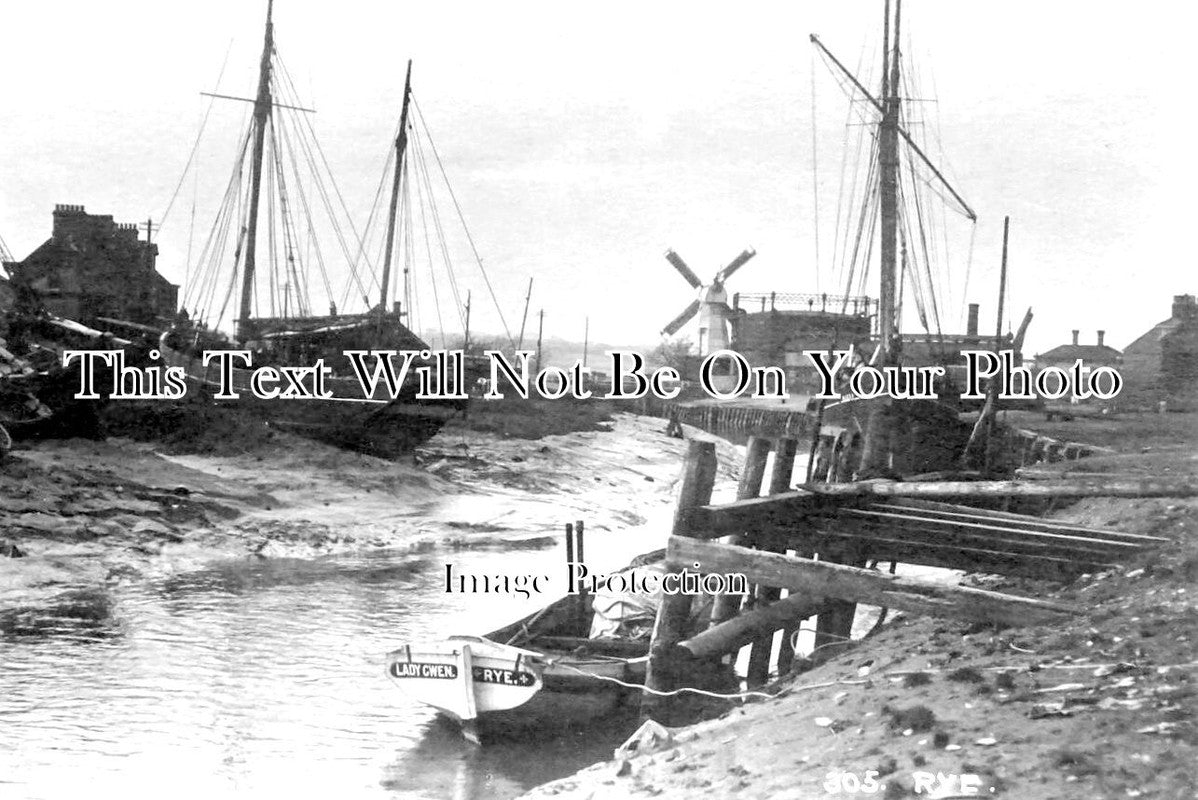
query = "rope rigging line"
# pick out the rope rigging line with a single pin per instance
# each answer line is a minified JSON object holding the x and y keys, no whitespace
{"x":973,"y":233}
{"x":815,"y":175}
{"x":461,"y":217}
{"x":201,"y":292}
{"x":939,"y":281}
{"x":866,"y":227}
{"x":432,"y":278}
{"x":840,"y":244}
{"x":921,"y":291}
{"x":243,"y":227}
{"x":271,"y":194}
{"x":424,"y":180}
{"x":305,"y":206}
{"x":311,"y":148}
{"x":411,"y":294}
{"x":287,"y":223}
{"x":195,"y":145}
{"x":376,"y":207}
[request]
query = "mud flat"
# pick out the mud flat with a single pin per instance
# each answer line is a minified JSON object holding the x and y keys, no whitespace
{"x":83,"y":514}
{"x":1103,"y":706}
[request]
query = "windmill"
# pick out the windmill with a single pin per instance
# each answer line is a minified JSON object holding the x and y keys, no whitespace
{"x":711,"y":305}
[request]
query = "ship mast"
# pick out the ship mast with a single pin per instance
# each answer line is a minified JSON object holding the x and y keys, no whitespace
{"x":401,"y":144}
{"x":888,"y":161}
{"x":262,"y":106}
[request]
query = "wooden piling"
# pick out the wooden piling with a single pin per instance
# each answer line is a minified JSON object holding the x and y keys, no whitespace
{"x":584,"y":598}
{"x":673,"y":614}
{"x":759,"y":657}
{"x":725,"y":606}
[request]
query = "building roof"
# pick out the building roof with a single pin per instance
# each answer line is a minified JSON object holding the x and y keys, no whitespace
{"x":1154,"y":334}
{"x":1086,"y":352}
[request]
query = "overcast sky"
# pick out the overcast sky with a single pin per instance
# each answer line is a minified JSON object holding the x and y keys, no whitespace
{"x":583,"y":140}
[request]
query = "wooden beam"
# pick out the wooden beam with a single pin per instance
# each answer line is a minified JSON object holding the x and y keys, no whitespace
{"x":730,"y":636}
{"x":713,"y":521}
{"x":865,"y":586}
{"x":1003,"y":489}
{"x":1002,"y":535}
{"x":1025,"y":521}
{"x":881,"y":547}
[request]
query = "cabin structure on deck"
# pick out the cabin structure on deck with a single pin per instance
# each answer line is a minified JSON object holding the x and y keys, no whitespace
{"x":92,"y":268}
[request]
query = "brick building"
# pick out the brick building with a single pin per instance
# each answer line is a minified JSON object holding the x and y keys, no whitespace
{"x":1162,"y":364}
{"x":91,"y":267}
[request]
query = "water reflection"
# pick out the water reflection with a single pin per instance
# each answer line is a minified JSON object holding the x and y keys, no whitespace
{"x":82,"y":614}
{"x":262,"y":678}
{"x":443,"y":764}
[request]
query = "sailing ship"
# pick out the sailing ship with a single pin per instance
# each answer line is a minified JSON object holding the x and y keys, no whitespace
{"x":290,"y":335}
{"x":883,"y":436}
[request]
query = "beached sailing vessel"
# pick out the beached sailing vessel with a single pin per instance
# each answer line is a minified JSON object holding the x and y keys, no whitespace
{"x":280,"y":275}
{"x":904,"y":435}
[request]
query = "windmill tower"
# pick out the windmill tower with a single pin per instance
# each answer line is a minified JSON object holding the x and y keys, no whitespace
{"x":711,"y":304}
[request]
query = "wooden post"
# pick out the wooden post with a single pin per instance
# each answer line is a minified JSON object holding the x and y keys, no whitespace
{"x":673,"y":615}
{"x":584,"y":598}
{"x":757,"y":452}
{"x":835,"y":624}
{"x":758,"y":659}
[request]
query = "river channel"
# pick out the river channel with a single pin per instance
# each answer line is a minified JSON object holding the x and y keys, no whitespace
{"x":264,"y":678}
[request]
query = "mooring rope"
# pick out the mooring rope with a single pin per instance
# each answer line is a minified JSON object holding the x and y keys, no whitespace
{"x":704,"y":692}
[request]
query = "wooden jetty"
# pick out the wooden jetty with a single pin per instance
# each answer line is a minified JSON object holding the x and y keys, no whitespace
{"x":798,"y":418}
{"x":814,"y":540}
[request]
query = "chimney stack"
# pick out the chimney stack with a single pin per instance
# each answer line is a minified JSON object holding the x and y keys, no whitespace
{"x":1184,"y":307}
{"x":1100,"y":335}
{"x":1075,"y":333}
{"x":971,"y":327}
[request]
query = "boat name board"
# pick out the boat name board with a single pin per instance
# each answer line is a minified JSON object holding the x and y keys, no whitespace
{"x":423,"y":670}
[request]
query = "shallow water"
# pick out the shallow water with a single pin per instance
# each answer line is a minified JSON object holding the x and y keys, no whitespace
{"x":264,"y":678}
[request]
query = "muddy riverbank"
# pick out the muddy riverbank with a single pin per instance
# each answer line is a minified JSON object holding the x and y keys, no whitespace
{"x":1101,"y":706}
{"x":83,"y":514}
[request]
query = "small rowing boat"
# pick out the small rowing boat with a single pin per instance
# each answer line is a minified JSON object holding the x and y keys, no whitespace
{"x":540,"y":673}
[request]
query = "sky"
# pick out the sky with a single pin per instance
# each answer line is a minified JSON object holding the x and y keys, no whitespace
{"x":582,"y":141}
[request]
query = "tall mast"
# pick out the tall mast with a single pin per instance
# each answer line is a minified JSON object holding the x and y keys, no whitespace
{"x":401,"y":145}
{"x":262,"y":106}
{"x":888,"y":158}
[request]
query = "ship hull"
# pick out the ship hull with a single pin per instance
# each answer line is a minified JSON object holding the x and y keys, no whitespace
{"x":378,"y":425}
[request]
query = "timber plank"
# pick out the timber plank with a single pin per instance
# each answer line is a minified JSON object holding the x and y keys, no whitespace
{"x":837,"y":581}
